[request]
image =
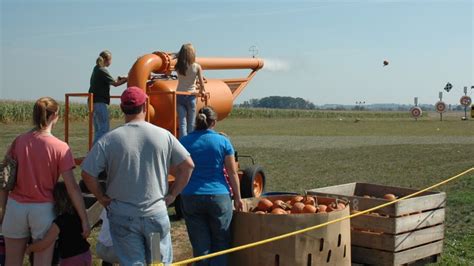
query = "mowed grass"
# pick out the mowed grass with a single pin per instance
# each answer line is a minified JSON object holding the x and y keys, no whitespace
{"x":305,"y":153}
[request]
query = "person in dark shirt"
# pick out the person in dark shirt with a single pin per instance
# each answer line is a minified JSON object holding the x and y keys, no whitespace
{"x":100,"y":86}
{"x":73,"y":246}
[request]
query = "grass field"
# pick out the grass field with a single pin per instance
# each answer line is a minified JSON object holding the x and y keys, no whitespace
{"x":306,"y":153}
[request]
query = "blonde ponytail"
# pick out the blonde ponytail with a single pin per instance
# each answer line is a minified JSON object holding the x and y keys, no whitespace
{"x":103,"y":56}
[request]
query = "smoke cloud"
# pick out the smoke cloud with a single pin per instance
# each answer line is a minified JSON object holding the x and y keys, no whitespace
{"x":276,"y":65}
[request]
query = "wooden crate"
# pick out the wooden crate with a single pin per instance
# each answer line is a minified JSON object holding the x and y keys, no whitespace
{"x":329,"y":245}
{"x":401,"y":233}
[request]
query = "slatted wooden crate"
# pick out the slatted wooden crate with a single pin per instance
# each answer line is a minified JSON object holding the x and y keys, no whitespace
{"x":329,"y":245}
{"x":404,"y":232}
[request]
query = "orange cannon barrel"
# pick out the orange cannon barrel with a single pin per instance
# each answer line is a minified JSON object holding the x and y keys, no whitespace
{"x":221,"y":92}
{"x":230,"y":63}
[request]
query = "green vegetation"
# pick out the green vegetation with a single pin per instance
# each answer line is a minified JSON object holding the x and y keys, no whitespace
{"x":287,"y":113}
{"x":20,"y":111}
{"x":282,"y":102}
{"x":304,"y":152}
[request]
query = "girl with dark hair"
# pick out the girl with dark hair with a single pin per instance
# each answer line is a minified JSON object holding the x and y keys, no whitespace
{"x":207,"y":203}
{"x":28,"y":210}
{"x":73,"y":247}
{"x":188,"y":70}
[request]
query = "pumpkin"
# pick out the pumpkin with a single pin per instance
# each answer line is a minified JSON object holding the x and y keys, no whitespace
{"x":322,"y":208}
{"x":308,"y":208}
{"x":279,"y":204}
{"x":389,"y":197}
{"x":310,"y":200}
{"x":278,"y":211}
{"x":264,"y":205}
{"x":297,"y":207}
{"x":331,"y":207}
{"x":296,"y":199}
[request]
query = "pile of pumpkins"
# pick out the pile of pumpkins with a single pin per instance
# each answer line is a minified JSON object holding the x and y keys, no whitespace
{"x":296,"y":205}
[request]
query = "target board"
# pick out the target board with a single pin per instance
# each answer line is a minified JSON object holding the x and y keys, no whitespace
{"x":440,"y":107}
{"x":465,"y":100}
{"x":416,"y":112}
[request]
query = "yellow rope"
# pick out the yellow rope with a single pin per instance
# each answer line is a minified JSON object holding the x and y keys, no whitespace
{"x":265,"y":241}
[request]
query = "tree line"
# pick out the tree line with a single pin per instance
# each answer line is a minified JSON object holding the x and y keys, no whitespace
{"x":279,"y":102}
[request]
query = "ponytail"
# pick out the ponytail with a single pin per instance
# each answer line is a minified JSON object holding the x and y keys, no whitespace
{"x":205,"y":117}
{"x":103,"y":56}
{"x":42,"y":111}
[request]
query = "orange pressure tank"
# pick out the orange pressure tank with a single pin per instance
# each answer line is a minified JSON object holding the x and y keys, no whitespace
{"x":220,"y":98}
{"x":220,"y":92}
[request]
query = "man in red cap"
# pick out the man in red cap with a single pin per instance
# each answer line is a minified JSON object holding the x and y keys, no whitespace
{"x":137,"y":156}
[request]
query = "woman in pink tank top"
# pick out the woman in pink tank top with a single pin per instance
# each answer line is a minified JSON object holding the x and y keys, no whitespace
{"x":28,"y":208}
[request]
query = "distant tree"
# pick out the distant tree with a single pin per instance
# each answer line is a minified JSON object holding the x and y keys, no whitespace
{"x":280,"y":102}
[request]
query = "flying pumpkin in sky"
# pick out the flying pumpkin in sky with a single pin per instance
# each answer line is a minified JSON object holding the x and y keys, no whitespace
{"x":385,"y":62}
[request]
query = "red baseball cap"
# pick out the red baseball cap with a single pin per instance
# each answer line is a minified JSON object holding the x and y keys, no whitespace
{"x":132,"y":97}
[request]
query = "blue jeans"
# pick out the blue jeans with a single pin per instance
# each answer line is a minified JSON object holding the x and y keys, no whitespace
{"x":208,"y":220}
{"x":132,"y":238}
{"x":101,"y":120}
{"x":186,"y":114}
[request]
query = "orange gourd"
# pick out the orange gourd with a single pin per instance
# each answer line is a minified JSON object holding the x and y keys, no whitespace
{"x":278,"y":211}
{"x":308,"y":208}
{"x":322,"y":208}
{"x":296,"y":199}
{"x":297,"y":207}
{"x":264,"y":205}
{"x":389,"y":197}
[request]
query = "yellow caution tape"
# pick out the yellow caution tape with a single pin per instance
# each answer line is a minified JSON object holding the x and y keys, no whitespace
{"x":272,"y":239}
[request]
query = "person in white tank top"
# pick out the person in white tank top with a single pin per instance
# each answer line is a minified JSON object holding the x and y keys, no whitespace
{"x":188,"y":71}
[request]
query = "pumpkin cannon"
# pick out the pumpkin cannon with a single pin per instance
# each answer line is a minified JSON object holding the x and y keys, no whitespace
{"x":153,"y":73}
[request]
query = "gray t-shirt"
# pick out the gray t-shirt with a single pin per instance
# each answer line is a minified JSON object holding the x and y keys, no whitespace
{"x":136,"y":157}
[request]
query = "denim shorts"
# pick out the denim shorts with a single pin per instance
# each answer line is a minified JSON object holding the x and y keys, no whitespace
{"x":132,"y":238}
{"x":23,"y":220}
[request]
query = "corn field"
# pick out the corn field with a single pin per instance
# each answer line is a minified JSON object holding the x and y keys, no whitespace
{"x":323,"y":114}
{"x":21,"y":111}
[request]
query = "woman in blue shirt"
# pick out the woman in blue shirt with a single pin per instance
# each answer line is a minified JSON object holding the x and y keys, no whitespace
{"x":207,"y":203}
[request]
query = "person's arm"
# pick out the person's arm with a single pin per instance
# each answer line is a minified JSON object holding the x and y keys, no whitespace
{"x":94,"y":187}
{"x":119,"y":81}
{"x":75,"y":194}
{"x":201,"y":81}
{"x":182,"y":174}
{"x":231,"y":169}
{"x":3,"y":203}
{"x":46,"y":242}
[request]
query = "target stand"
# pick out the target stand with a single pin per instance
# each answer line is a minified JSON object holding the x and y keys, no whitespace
{"x":416,"y":111}
{"x":466,"y":102}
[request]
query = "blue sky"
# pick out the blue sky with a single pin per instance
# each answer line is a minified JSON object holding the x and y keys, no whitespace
{"x":323,"y":51}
